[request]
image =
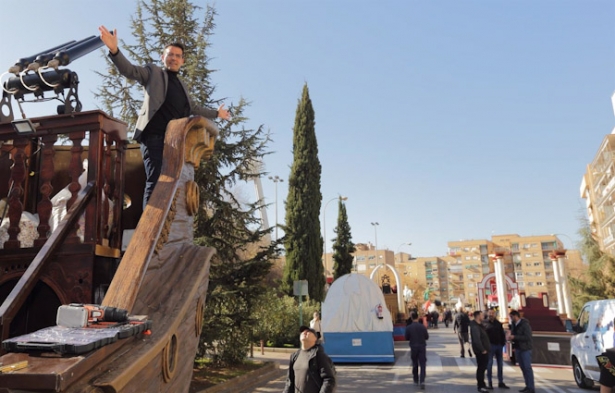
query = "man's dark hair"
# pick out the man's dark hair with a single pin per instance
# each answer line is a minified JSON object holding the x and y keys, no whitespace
{"x":514,"y":313}
{"x":414,"y":315}
{"x":477,"y":313}
{"x":177,"y":45}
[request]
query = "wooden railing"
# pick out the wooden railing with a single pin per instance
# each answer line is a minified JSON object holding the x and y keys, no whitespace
{"x":29,"y":184}
{"x":28,"y":280}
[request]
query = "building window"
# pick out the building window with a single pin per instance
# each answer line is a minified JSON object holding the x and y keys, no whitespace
{"x":527,"y":255}
{"x":540,"y":284}
{"x":361,"y":267}
{"x":538,"y":273}
{"x":361,"y":258}
{"x":530,"y":284}
{"x":476,"y":275}
{"x":470,"y":276}
{"x":521,"y":285}
{"x":537,"y":263}
{"x":529,"y":264}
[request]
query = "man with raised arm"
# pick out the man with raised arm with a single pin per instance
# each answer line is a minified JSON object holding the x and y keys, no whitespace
{"x":165,"y":98}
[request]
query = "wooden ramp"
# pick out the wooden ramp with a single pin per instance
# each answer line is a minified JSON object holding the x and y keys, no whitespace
{"x":162,"y":275}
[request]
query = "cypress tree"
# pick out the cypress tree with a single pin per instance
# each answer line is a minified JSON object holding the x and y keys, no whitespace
{"x":343,"y":247}
{"x":242,"y":259}
{"x":303,"y":240}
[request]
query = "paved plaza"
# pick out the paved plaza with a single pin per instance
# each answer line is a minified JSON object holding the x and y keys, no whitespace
{"x":446,"y":372}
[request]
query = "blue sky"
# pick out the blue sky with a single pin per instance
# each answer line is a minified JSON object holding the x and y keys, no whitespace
{"x":440,"y":120}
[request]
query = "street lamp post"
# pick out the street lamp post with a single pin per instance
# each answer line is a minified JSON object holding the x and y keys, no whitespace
{"x":375,"y":224}
{"x":324,"y":229}
{"x":400,"y":246}
{"x":276,"y":180}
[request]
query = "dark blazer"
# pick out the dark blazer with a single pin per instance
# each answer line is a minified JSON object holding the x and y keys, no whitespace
{"x":523,"y":335}
{"x":155,"y":81}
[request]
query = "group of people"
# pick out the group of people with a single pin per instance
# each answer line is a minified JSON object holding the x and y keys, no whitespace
{"x":486,"y":338}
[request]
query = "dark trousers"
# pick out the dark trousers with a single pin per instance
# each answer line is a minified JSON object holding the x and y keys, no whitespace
{"x":463,"y":339}
{"x":152,"y":147}
{"x":419,"y":359}
{"x":481,"y":367}
{"x":496,"y":351}
{"x":524,"y":359}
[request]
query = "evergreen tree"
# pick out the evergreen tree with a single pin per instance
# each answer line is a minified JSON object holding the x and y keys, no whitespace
{"x":242,"y":260}
{"x":599,"y":280}
{"x":343,"y":247}
{"x":303,"y":241}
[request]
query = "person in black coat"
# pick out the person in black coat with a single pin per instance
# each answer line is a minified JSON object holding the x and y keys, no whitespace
{"x":461,"y":325}
{"x":417,"y":335}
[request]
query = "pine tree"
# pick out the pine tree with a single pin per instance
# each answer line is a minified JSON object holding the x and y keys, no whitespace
{"x":598,"y":282}
{"x":224,"y":222}
{"x":303,"y":241}
{"x":343,"y":247}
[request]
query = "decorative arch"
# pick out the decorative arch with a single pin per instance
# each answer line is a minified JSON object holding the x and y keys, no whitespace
{"x":400,"y":303}
{"x":511,"y":289}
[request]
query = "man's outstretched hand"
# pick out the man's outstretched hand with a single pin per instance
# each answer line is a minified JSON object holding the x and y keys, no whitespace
{"x":109,"y":39}
{"x":224,"y":113}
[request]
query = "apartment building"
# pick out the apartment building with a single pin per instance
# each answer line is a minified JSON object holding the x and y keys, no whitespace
{"x":598,"y":190}
{"x":526,"y":259}
{"x":448,"y":278}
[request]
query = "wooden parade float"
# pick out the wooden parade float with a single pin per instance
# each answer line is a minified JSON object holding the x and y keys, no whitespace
{"x":62,"y":243}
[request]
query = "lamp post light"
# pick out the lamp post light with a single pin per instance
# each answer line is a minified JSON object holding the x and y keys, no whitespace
{"x":375,"y":225}
{"x":324,"y":229}
{"x":400,"y":246}
{"x":276,"y":180}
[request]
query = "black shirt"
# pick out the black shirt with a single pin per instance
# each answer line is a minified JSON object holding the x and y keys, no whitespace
{"x":175,"y":106}
{"x":495,"y":331}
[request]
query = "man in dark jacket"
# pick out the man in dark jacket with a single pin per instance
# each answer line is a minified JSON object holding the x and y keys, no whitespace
{"x":497,"y":337}
{"x":417,"y":335}
{"x":521,"y":337}
{"x":310,"y":369}
{"x":481,"y":347}
{"x":461,"y":325}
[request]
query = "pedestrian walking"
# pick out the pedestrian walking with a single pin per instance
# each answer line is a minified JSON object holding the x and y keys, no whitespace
{"x":461,"y":325}
{"x":521,"y":338}
{"x":448,"y":317}
{"x":481,"y":347}
{"x":417,"y":336}
{"x":310,"y":369}
{"x":497,"y":338}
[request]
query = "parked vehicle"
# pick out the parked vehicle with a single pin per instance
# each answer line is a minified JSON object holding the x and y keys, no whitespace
{"x":593,"y":334}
